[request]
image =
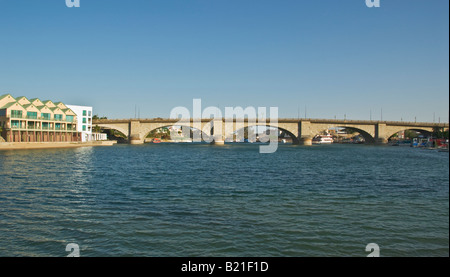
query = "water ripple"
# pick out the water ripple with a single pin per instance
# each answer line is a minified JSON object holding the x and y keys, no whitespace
{"x":199,"y":200}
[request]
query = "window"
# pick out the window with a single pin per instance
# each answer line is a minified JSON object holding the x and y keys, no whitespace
{"x":16,"y":114}
{"x":84,"y":127}
{"x":32,"y":115}
{"x":15,"y":123}
{"x":84,"y":113}
{"x":69,"y":118}
{"x":89,"y":113}
{"x":2,"y":112}
{"x":84,"y":120}
{"x":58,"y":117}
{"x":46,"y":116}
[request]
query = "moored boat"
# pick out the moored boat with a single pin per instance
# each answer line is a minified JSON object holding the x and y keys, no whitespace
{"x":323,"y":139}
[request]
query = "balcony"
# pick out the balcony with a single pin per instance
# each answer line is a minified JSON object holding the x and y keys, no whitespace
{"x":41,"y":118}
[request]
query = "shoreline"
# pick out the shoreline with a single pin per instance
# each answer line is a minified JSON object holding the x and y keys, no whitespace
{"x":51,"y":145}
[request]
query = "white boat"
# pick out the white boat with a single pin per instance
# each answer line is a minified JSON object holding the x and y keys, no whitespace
{"x":323,"y":139}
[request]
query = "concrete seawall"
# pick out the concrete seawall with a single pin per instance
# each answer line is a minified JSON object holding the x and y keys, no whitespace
{"x":51,"y":145}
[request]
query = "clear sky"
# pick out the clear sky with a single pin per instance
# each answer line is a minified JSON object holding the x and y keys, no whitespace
{"x":333,"y":57}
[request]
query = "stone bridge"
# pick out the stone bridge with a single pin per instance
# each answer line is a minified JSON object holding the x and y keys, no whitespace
{"x":301,"y":130}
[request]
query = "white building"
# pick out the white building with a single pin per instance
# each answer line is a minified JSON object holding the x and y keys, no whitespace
{"x":99,"y":136}
{"x":84,"y":124}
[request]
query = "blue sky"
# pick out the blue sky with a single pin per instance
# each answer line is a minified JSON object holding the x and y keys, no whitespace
{"x":333,"y":57}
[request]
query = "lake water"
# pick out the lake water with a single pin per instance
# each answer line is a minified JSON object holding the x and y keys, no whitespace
{"x":201,"y":200}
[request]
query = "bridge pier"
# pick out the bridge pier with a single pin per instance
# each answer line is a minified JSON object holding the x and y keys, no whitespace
{"x":218,"y":142}
{"x":381,"y":134}
{"x":135,"y":139}
{"x":305,"y":133}
{"x":381,"y":141}
{"x":218,"y":132}
{"x":305,"y":141}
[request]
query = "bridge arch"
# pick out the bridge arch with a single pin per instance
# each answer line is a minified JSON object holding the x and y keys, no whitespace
{"x":366,"y":133}
{"x":423,"y":131}
{"x":294,"y":138}
{"x":120,"y":129}
{"x":147,"y":131}
{"x":368,"y":138}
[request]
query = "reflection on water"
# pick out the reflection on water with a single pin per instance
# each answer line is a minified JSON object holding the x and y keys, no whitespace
{"x":200,"y":200}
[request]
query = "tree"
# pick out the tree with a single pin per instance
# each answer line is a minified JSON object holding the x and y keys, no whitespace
{"x":411,"y":134}
{"x":97,"y":129}
{"x":439,"y":133}
{"x":115,"y":133}
{"x":154,"y":134}
{"x":96,"y":117}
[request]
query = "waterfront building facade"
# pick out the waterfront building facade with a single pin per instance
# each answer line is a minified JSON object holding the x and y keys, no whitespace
{"x":84,"y":121}
{"x":33,"y":120}
{"x":99,"y":136}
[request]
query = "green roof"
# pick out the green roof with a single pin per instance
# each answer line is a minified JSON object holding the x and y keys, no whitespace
{"x":58,"y":103}
{"x":53,"y":109}
{"x":20,"y":97}
{"x":5,"y":95}
{"x":10,"y":104}
{"x":45,"y":102}
{"x":26,"y":106}
{"x":34,"y":99}
{"x":67,"y":110}
{"x":42,"y":107}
